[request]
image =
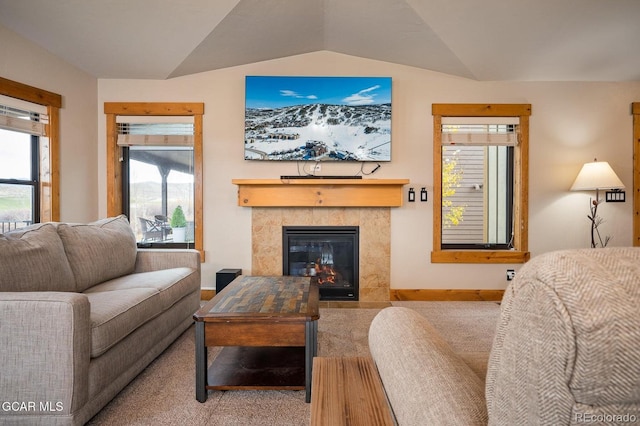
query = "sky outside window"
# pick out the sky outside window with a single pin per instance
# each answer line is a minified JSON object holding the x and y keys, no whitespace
{"x":15,"y":155}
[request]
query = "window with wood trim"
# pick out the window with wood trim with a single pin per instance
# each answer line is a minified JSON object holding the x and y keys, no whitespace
{"x":480,"y":168}
{"x":635,"y":109}
{"x":30,"y":123}
{"x":154,"y":165}
{"x":19,"y":178}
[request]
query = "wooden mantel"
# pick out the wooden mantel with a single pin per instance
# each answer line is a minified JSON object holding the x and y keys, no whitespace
{"x":320,"y":192}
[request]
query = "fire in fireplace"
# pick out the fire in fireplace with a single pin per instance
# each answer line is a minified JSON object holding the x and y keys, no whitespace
{"x":327,"y":254}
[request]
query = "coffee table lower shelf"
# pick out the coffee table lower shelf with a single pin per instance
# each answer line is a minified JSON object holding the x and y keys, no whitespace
{"x":257,"y":368}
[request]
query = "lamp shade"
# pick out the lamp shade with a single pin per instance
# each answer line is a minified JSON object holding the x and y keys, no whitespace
{"x":596,"y":175}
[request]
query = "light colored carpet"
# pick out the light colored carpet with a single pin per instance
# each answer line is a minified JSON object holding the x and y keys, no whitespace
{"x":164,"y":393}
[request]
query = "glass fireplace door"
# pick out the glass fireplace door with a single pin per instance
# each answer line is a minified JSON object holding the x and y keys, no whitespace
{"x":329,"y":255}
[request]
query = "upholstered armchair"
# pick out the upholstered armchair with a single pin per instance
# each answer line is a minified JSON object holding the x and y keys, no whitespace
{"x":566,"y":350}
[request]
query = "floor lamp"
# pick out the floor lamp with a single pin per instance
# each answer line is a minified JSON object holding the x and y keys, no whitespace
{"x":596,"y":175}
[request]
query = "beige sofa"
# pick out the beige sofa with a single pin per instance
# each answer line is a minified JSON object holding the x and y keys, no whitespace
{"x":82,"y":312}
{"x":566,"y":350}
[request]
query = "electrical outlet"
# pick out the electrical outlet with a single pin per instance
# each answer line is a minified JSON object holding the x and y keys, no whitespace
{"x":511,"y":274}
{"x":316,"y":168}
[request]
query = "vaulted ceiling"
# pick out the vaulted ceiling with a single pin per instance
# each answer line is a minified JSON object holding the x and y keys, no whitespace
{"x":521,"y":40}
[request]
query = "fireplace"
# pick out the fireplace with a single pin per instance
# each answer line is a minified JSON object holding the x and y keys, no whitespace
{"x":374,"y":227}
{"x":327,"y":254}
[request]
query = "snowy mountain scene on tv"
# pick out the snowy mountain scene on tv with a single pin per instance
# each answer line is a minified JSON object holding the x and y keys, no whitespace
{"x":317,"y":118}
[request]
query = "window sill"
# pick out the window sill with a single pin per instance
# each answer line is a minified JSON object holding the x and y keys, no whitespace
{"x":479,"y":256}
{"x":171,"y":246}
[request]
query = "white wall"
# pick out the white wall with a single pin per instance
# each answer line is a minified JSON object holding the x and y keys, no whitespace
{"x":24,"y":62}
{"x":571,"y":123}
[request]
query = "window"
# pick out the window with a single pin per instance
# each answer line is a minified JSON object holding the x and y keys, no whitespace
{"x":29,"y":174}
{"x":635,"y":110}
{"x":157,"y":177}
{"x":477,"y":185}
{"x":154,"y":167}
{"x":480,"y":183}
{"x":18,"y":180}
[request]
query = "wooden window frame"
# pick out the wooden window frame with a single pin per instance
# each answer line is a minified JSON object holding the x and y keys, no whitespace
{"x":635,"y":110}
{"x":49,"y":149}
{"x":520,"y":253}
{"x":114,"y":174}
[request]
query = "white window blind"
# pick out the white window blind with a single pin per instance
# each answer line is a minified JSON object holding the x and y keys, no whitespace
{"x":173,"y":131}
{"x":23,"y":118}
{"x":481,"y":131}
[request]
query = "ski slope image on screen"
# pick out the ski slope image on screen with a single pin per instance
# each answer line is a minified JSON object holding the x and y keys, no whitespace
{"x":317,"y":118}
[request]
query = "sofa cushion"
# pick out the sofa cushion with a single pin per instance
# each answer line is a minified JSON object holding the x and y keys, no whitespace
{"x":115,"y":314}
{"x":171,"y":284}
{"x":99,"y":251}
{"x":122,"y":305}
{"x":33,"y":259}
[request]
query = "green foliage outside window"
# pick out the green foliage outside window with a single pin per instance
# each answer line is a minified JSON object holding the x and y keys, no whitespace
{"x":451,"y":177}
{"x":177,"y":218}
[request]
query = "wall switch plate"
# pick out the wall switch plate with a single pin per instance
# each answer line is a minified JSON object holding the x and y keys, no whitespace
{"x":615,"y":196}
{"x":411,"y":195}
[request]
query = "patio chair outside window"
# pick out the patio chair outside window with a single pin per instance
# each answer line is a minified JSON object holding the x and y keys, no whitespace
{"x":150,"y":230}
{"x":162,"y":222}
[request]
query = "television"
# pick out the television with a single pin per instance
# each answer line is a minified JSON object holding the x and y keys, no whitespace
{"x":317,"y":118}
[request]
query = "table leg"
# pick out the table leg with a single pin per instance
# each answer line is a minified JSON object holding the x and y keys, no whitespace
{"x":310,"y":350}
{"x":201,"y":363}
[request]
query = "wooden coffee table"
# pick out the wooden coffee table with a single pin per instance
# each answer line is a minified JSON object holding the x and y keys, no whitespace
{"x":269,"y":329}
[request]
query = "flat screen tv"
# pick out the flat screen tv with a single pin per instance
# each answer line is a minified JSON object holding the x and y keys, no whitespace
{"x":317,"y":118}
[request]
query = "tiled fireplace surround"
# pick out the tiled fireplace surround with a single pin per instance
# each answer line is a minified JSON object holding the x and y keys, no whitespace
{"x":375,"y":241}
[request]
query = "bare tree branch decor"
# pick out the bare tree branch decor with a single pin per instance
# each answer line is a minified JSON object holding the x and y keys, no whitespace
{"x":596,"y":221}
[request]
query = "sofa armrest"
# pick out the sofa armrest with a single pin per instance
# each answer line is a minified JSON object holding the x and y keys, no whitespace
{"x":158,"y":259}
{"x":425,"y":381}
{"x":45,"y":342}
